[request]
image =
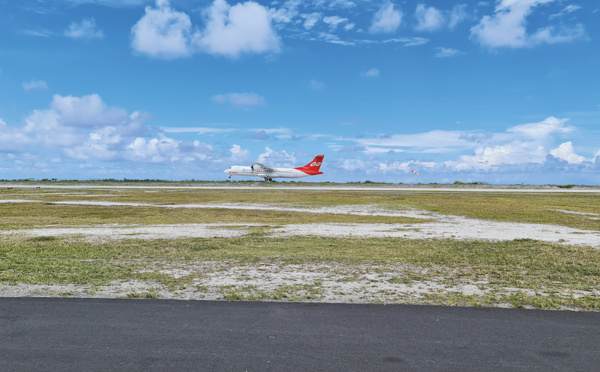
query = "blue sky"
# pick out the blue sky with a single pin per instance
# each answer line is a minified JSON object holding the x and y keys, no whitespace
{"x":502,"y":92}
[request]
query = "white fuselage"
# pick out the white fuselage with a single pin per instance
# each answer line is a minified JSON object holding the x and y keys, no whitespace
{"x":270,"y":173}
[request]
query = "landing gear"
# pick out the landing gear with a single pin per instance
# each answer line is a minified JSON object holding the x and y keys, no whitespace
{"x":267,"y":179}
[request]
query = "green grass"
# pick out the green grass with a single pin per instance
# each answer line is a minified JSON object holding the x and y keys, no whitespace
{"x":521,"y":264}
{"x":540,"y":275}
{"x":509,"y":207}
{"x":31,"y":215}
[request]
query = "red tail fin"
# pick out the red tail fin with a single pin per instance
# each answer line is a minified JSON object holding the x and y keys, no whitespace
{"x":313,"y":167}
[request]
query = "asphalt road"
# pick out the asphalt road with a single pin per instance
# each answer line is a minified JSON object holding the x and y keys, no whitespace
{"x":53,"y":334}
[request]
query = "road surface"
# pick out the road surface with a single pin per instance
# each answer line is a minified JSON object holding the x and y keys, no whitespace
{"x":52,"y":334}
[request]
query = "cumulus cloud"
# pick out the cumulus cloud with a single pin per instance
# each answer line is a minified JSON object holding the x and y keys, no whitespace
{"x":352,"y":165}
{"x":566,"y":152}
{"x":387,"y":19}
{"x":520,"y":146}
{"x":406,"y":166}
{"x":230,"y":31}
{"x":507,"y":27}
{"x":432,"y":19}
{"x":163,"y":32}
{"x":242,"y":28}
{"x":513,"y":153}
{"x":86,"y":128}
{"x":87,"y":111}
{"x":161,"y":150}
{"x":428,"y":18}
{"x":240,"y":100}
{"x":238,"y":155}
{"x":277,"y":159}
{"x":86,"y":29}
{"x":35,"y":84}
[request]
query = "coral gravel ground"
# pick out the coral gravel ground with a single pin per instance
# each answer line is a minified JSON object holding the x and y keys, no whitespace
{"x":275,"y":279}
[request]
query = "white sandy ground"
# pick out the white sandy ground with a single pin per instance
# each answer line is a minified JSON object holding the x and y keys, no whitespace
{"x":307,"y":282}
{"x":435,"y":226}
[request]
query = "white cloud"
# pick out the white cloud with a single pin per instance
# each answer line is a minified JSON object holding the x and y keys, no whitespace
{"x":240,"y":100}
{"x":387,"y":19}
{"x":530,"y":138}
{"x":408,"y":41}
{"x":35,"y":84}
{"x":111,"y":3}
{"x":550,"y":35}
{"x":78,"y":125}
{"x":230,"y":31}
{"x":286,"y":13}
{"x":198,"y":130}
{"x":566,"y":10}
{"x":163,"y":32}
{"x":372,"y":73}
{"x":395,"y":166}
{"x":513,"y":153}
{"x":277,"y":159}
{"x":154,"y":150}
{"x":341,"y":4}
{"x":566,"y":152}
{"x":439,"y":140}
{"x":86,"y":29}
{"x":457,"y":15}
{"x":519,"y":146}
{"x":87,"y":111}
{"x":271,"y":130}
{"x":406,"y":166}
{"x":543,"y":129}
{"x":242,"y":28}
{"x":446,"y":52}
{"x":334,"y":21}
{"x":310,"y":20}
{"x":428,"y":18}
{"x":83,"y":131}
{"x":238,"y":155}
{"x":352,"y":165}
{"x":507,"y":27}
{"x":431,"y":19}
{"x":38,"y":33}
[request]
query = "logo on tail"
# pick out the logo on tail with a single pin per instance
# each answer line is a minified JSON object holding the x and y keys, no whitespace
{"x":313,"y":167}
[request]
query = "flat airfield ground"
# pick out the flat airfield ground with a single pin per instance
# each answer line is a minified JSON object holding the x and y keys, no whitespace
{"x":470,"y":246}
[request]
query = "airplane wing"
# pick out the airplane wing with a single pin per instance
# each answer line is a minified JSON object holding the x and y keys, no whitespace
{"x":261,"y":166}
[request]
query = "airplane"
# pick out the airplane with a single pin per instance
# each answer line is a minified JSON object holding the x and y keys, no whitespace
{"x":259,"y":170}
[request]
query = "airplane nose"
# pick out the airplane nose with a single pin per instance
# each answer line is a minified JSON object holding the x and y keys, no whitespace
{"x":226,"y":171}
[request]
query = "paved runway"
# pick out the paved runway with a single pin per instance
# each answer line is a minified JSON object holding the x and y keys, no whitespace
{"x":52,"y":334}
{"x":261,"y":185}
